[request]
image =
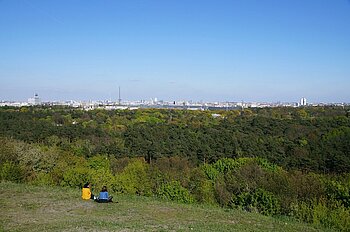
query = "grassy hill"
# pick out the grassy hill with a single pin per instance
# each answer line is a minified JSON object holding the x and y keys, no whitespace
{"x":33,"y":208}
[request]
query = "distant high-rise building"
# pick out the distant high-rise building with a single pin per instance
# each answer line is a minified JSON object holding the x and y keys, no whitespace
{"x":34,"y":100}
{"x":303,"y":101}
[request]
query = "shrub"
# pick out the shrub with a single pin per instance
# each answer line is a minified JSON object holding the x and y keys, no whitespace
{"x":99,"y":162}
{"x":267,"y":166}
{"x":330,"y":214}
{"x":43,"y":178}
{"x":175,"y":192}
{"x":338,"y":191}
{"x":134,"y":179}
{"x":225,"y":165}
{"x":175,"y":168}
{"x":157,"y":178}
{"x":201,"y":188}
{"x":118,"y":165}
{"x":279,"y":184}
{"x":210,"y":171}
{"x":262,"y":201}
{"x":76,"y":177}
{"x":222,"y":195}
{"x":102,"y":177}
{"x":10,"y":171}
{"x":306,"y":186}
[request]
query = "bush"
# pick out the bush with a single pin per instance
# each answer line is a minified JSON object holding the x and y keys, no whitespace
{"x":134,"y":179}
{"x":43,"y":179}
{"x":222,"y":195}
{"x":157,"y":178}
{"x":175,"y":168}
{"x":99,"y":162}
{"x":210,"y":171}
{"x":306,"y":186}
{"x":260,"y":200}
{"x":175,"y":192}
{"x":279,"y":184}
{"x":76,"y":177}
{"x":225,"y":165}
{"x":10,"y":171}
{"x":338,"y":191}
{"x":330,"y":214}
{"x":201,"y":188}
{"x":102,"y":177}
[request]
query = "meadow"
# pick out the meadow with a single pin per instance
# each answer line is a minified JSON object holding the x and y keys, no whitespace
{"x":40,"y":208}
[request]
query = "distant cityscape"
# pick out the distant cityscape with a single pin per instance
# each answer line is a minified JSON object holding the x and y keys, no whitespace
{"x":155,"y":103}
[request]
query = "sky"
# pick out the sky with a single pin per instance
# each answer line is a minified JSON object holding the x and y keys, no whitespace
{"x":201,"y":50}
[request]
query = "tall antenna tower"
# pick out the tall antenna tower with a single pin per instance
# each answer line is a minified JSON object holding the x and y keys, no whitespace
{"x":119,"y":99}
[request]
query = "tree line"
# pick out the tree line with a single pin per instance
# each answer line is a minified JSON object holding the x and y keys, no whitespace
{"x":310,"y":139}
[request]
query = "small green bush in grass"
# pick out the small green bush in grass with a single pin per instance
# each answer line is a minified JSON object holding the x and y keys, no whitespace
{"x":134,"y":179}
{"x":261,"y":200}
{"x":330,"y":214}
{"x":201,"y":188}
{"x":102,"y":177}
{"x":76,"y":177}
{"x":10,"y":171}
{"x":43,"y":179}
{"x":175,"y":192}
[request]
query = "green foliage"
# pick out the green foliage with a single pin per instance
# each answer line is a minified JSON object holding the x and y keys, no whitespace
{"x":43,"y":179}
{"x":279,"y":184}
{"x":339,"y":191}
{"x":134,"y":179}
{"x":99,"y":162}
{"x":148,"y":119}
{"x":201,"y":188}
{"x":310,"y":138}
{"x":261,"y":200}
{"x":76,"y":177}
{"x":175,"y":192}
{"x":301,"y":114}
{"x":222,"y":194}
{"x":267,"y":166}
{"x":306,"y":186}
{"x":10,"y":171}
{"x":331,"y":214}
{"x":225,"y":165}
{"x":210,"y":171}
{"x":175,"y":168}
{"x":7,"y":150}
{"x":102,"y":177}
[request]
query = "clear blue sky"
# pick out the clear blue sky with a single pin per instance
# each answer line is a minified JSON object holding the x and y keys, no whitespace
{"x":210,"y":50}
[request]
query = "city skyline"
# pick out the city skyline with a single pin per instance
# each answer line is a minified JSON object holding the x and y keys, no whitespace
{"x":36,"y":100}
{"x":164,"y":104}
{"x":197,"y":50}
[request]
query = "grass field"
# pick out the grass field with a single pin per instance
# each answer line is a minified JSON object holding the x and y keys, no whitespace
{"x":33,"y":208}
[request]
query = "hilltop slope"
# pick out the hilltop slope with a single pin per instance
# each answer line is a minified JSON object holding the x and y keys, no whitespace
{"x":32,"y":208}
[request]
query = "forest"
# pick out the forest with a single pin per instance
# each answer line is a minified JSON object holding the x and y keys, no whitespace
{"x":277,"y":161}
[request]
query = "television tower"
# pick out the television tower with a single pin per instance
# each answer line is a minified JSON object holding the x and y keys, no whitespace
{"x":119,"y":99}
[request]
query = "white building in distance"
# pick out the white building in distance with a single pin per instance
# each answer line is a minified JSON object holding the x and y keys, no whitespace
{"x":34,"y":100}
{"x":303,"y":101}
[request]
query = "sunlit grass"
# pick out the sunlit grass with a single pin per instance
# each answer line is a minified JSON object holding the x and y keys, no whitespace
{"x":33,"y":208}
